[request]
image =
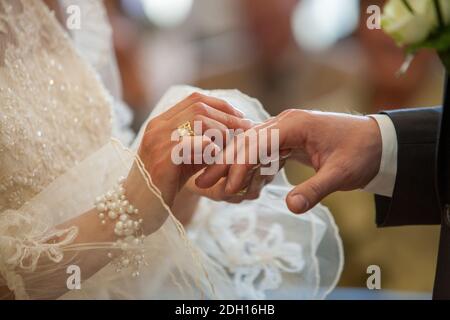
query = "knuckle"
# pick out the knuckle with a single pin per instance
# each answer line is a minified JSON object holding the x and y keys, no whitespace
{"x":198,"y":117}
{"x":225,"y":104}
{"x":151,"y":125}
{"x":147,"y":141}
{"x":200,"y":108}
{"x":292,"y":112}
{"x":231,"y":121}
{"x":289,"y":111}
{"x":196,"y":96}
{"x":316,"y":189}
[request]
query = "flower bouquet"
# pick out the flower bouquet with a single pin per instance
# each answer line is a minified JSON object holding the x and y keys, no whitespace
{"x":419,"y":24}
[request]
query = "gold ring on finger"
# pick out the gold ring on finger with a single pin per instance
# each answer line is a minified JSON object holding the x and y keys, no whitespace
{"x":185,"y":130}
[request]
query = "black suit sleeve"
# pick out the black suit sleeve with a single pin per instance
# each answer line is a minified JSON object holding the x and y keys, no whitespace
{"x":414,"y":200}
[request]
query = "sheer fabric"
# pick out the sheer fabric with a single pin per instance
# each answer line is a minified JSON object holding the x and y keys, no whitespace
{"x":59,"y":112}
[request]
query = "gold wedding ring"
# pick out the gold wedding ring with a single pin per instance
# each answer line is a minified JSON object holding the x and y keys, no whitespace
{"x":242,"y":192}
{"x":185,"y":130}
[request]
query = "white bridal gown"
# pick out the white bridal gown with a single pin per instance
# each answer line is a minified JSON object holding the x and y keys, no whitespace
{"x":61,"y":119}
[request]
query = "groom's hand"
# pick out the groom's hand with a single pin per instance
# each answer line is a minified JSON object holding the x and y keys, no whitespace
{"x":344,"y":150}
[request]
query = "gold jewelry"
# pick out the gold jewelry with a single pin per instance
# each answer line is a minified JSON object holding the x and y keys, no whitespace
{"x":186,"y":130}
{"x":242,"y":192}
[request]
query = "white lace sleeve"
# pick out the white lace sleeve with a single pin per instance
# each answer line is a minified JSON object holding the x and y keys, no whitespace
{"x":56,"y":158}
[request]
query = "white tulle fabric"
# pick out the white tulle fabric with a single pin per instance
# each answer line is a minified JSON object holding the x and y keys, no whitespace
{"x":57,"y":155}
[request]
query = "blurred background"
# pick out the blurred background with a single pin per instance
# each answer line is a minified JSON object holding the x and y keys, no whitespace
{"x":310,"y":54}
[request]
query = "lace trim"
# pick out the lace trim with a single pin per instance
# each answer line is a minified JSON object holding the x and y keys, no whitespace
{"x":23,"y":241}
{"x":254,"y":257}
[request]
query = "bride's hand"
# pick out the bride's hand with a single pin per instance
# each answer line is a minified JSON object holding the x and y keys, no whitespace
{"x":156,"y":146}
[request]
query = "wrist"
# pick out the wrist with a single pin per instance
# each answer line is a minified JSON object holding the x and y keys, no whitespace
{"x":375,"y":146}
{"x":142,"y":196}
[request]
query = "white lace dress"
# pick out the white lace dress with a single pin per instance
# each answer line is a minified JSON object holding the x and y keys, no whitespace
{"x":59,"y":119}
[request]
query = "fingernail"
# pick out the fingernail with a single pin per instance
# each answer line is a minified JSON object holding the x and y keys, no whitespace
{"x":249,"y":122}
{"x":300,"y":203}
{"x":200,"y":181}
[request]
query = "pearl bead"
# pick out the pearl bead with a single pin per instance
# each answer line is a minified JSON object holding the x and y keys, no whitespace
{"x":112,"y":205}
{"x":101,"y":207}
{"x":112,"y":215}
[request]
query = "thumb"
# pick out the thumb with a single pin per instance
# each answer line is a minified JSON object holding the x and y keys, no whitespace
{"x":307,"y":194}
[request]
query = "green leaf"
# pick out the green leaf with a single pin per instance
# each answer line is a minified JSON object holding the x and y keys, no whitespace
{"x":438,"y":40}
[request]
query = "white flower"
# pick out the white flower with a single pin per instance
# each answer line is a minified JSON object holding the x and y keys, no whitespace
{"x":414,"y":24}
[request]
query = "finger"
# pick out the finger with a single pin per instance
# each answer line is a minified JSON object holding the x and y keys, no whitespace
{"x":222,"y":105}
{"x":212,"y":129}
{"x":238,"y":178}
{"x":224,"y":161}
{"x":195,"y":148}
{"x":245,"y":165}
{"x":211,"y":175}
{"x":202,"y":109}
{"x":307,"y":194}
{"x":242,"y":194}
{"x":196,"y":97}
{"x":220,"y":169}
{"x":255,"y":187}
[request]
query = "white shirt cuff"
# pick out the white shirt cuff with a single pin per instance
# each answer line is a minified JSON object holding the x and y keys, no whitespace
{"x":384,"y":182}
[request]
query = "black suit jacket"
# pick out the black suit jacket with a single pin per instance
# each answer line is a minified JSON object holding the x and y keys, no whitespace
{"x":422,"y":185}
